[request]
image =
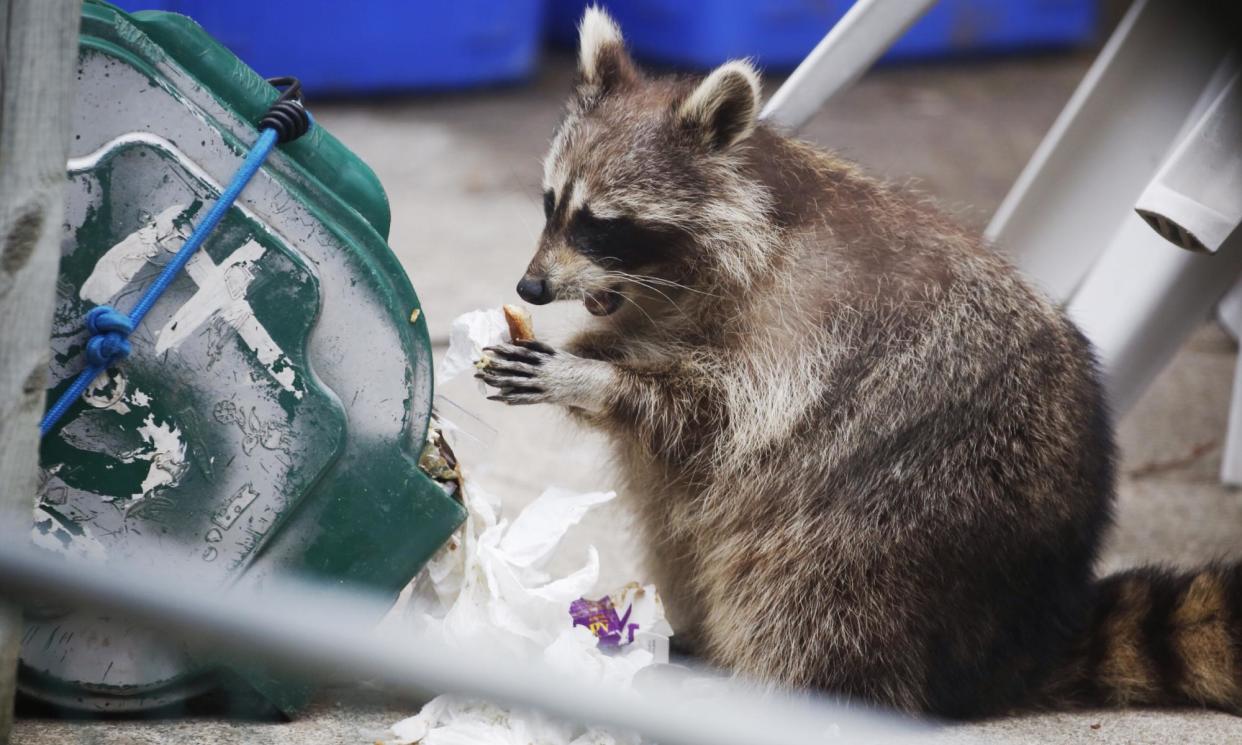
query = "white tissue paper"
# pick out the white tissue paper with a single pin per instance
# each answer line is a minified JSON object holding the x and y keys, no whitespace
{"x":468,"y":335}
{"x":488,"y":584}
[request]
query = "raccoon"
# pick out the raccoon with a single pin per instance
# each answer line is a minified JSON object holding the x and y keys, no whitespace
{"x":867,"y":457}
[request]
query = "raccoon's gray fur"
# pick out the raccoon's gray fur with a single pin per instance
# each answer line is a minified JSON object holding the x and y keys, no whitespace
{"x":866,"y":456}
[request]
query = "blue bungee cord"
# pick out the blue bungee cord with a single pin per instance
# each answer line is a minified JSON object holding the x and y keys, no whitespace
{"x":109,"y":328}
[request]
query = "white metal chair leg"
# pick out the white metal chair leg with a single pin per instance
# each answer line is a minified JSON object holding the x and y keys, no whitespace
{"x":1103,"y":149}
{"x":1143,"y":299}
{"x":864,"y":33}
{"x":1195,"y":200}
{"x":1229,"y":313}
{"x":1231,"y":463}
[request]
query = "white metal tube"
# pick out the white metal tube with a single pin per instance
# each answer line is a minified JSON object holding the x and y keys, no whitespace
{"x":1195,"y":200}
{"x":1105,"y":146}
{"x":325,"y":631}
{"x":1229,"y":313}
{"x":1231,"y":462}
{"x":864,"y":33}
{"x":1143,"y":299}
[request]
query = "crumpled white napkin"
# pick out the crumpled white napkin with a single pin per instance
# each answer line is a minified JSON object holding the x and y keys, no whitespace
{"x":468,"y":335}
{"x":488,"y":584}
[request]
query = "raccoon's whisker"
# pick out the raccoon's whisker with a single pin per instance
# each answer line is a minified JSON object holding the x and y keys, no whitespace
{"x":650,"y":283}
{"x":681,"y":311}
{"x":640,"y":283}
{"x":636,"y":305}
{"x":661,"y":281}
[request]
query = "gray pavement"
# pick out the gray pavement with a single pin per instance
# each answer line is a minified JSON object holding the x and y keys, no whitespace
{"x":462,"y":175}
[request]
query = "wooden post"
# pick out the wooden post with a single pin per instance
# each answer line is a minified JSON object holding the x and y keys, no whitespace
{"x":38,"y":55}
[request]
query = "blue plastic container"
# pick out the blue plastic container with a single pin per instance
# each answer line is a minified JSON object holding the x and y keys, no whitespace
{"x":378,"y":45}
{"x":778,"y":34}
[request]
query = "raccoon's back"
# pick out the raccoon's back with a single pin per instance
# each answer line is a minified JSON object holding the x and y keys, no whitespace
{"x":965,"y":432}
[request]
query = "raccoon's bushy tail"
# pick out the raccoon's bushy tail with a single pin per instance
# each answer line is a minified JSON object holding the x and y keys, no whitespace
{"x":1159,"y":638}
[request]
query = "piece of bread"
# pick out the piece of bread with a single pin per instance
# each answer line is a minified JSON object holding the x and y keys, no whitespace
{"x":520,"y":328}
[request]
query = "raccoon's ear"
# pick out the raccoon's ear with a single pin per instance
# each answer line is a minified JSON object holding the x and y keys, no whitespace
{"x":603,"y":63}
{"x":723,"y":108}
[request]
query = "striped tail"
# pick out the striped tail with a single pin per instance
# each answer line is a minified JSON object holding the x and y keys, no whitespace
{"x":1159,"y":638}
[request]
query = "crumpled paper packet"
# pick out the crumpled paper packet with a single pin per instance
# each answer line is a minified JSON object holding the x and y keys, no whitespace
{"x":488,"y":584}
{"x":632,"y":615}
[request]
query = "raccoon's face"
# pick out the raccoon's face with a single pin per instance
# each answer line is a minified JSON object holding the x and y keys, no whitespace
{"x":635,"y":174}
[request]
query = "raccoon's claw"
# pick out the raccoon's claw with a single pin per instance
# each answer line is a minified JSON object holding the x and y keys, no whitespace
{"x":530,"y":352}
{"x":531,"y":372}
{"x":534,"y":344}
{"x":518,"y":372}
{"x":500,"y":364}
{"x":515,"y":392}
{"x":519,"y":399}
{"x":508,"y":379}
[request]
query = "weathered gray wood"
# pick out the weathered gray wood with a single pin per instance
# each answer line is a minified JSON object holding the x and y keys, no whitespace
{"x":38,"y":53}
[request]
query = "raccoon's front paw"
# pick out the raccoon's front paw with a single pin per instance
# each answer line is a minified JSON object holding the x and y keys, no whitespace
{"x":531,"y":372}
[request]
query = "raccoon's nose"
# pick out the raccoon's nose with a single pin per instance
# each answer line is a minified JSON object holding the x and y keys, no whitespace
{"x":534,"y":291}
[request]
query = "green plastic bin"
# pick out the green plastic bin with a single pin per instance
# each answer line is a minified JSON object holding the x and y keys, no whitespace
{"x":271,"y":417}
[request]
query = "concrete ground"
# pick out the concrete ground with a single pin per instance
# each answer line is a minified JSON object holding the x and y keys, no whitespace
{"x":462,"y":174}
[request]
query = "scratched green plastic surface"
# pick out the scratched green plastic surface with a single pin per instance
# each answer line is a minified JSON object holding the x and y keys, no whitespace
{"x":372,"y":521}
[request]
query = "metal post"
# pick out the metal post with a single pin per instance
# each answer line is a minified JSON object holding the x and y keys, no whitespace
{"x":327,"y":632}
{"x":864,"y":33}
{"x":37,"y":58}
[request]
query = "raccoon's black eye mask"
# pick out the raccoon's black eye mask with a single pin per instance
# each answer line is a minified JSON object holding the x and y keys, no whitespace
{"x":619,"y":241}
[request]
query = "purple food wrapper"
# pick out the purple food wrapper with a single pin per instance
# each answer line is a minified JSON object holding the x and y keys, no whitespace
{"x":600,"y":617}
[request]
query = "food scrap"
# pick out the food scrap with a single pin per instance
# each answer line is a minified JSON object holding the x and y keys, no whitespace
{"x":437,"y":459}
{"x":520,"y":326}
